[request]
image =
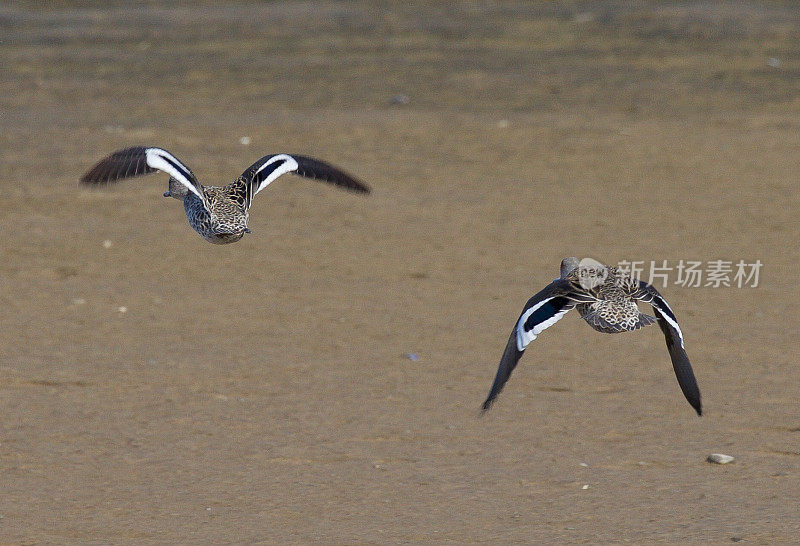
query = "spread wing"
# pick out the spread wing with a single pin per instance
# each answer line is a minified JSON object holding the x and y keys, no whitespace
{"x":263,"y":172}
{"x":674,"y":338}
{"x":542,"y":311}
{"x":140,"y":160}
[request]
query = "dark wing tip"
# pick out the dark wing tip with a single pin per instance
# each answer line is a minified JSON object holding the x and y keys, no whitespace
{"x":694,"y":401}
{"x":117,"y":166}
{"x":319,"y":170}
{"x":99,"y":175}
{"x":488,"y":402}
{"x":497,"y":386}
{"x":508,"y":362}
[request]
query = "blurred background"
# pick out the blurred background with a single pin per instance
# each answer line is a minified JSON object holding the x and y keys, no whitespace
{"x":320,"y":380}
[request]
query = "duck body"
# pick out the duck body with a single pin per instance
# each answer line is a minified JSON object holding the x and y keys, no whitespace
{"x":221,"y":219}
{"x":613,"y":309}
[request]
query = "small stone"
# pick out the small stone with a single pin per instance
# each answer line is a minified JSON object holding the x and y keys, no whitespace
{"x":245,"y":141}
{"x":122,"y":309}
{"x":774,"y":62}
{"x":583,"y":465}
{"x":107,"y":243}
{"x":719,"y":458}
{"x":413,"y":357}
{"x":78,"y":301}
{"x":502,"y":124}
{"x":585,"y":487}
{"x":400,"y":99}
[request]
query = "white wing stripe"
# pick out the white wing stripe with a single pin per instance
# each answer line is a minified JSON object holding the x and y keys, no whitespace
{"x":525,"y":337}
{"x":674,"y":325}
{"x":165,"y":161}
{"x":289,"y":164}
{"x":665,"y":314}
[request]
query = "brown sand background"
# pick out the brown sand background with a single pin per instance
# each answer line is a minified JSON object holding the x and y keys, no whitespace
{"x":258,"y":392}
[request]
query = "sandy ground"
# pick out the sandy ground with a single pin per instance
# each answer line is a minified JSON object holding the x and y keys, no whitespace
{"x":259,"y":392}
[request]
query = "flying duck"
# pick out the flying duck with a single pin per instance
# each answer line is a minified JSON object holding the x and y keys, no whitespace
{"x":218,"y":214}
{"x":606,"y":298}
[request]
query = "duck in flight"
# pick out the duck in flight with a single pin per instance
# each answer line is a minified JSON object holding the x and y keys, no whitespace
{"x":218,"y":214}
{"x":606,"y":298}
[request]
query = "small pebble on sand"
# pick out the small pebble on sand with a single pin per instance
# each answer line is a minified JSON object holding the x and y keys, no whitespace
{"x":719,"y":458}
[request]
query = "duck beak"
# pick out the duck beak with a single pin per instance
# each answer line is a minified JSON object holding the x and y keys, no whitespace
{"x":167,"y":194}
{"x":247,"y":230}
